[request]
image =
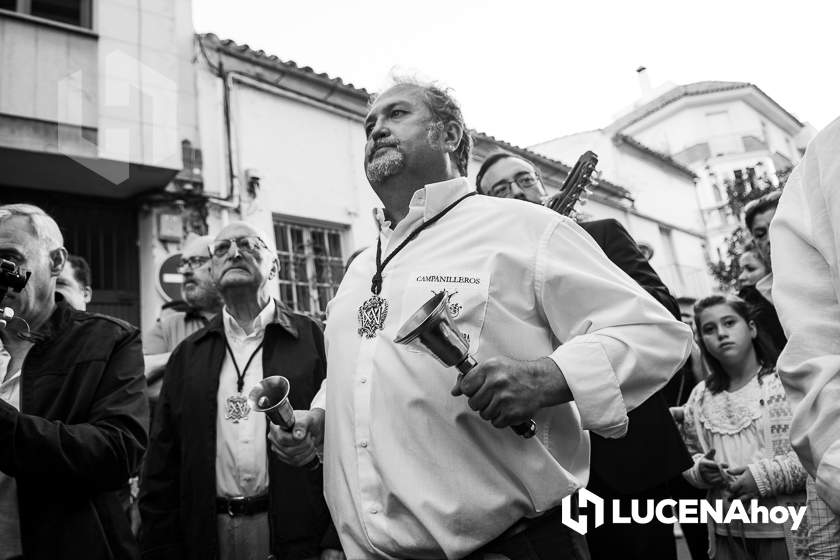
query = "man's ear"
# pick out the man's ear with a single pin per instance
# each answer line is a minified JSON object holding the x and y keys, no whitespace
{"x":452,"y":135}
{"x":87,"y":294}
{"x":58,"y":258}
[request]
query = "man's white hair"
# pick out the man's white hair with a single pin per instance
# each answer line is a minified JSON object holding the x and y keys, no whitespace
{"x":45,"y":228}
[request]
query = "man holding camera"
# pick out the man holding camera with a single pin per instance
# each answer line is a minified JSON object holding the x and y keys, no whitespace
{"x":73,"y":416}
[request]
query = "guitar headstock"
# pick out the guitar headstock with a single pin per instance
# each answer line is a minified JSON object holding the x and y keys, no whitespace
{"x":575,"y":186}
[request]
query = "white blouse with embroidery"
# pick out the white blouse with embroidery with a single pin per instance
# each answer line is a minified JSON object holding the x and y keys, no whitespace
{"x":735,"y":424}
{"x":731,"y":421}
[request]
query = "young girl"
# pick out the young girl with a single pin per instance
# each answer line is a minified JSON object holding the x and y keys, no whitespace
{"x":737,"y":428}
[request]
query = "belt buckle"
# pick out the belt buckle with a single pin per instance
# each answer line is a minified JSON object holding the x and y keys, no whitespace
{"x":232,"y":501}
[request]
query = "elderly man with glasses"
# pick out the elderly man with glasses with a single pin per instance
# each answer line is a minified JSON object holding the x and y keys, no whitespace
{"x":211,"y":487}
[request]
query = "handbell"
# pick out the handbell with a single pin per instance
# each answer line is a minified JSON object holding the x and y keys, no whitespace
{"x":271,"y":396}
{"x":432,"y":330}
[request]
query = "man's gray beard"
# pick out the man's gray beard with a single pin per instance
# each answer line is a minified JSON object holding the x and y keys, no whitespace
{"x":203,"y":299}
{"x":384,"y":166}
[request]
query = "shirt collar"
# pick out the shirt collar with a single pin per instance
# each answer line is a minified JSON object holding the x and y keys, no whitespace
{"x":432,"y":198}
{"x":266,"y":316}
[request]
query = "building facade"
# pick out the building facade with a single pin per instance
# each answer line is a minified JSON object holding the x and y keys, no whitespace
{"x":137,"y":134}
{"x":96,"y":97}
{"x":283,"y":148}
{"x":664,"y":214}
{"x":722,"y":131}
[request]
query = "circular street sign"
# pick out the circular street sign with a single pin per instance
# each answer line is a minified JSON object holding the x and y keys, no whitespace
{"x":169,"y":279}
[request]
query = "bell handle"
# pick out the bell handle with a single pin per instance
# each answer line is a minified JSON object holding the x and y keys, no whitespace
{"x":276,"y":419}
{"x":526,"y":429}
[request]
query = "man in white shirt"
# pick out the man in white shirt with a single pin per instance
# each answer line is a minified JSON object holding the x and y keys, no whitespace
{"x":210,"y":487}
{"x":412,"y":469}
{"x":806,"y":291}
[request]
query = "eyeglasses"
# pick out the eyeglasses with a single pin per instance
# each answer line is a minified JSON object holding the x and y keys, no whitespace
{"x":250,"y":244}
{"x":193,"y":262}
{"x":527,"y":180}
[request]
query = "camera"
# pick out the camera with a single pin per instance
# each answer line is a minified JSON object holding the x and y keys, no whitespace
{"x":11,"y":278}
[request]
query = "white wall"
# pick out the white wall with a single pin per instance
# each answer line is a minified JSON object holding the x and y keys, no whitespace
{"x":144,"y":64}
{"x":211,"y":132}
{"x":660,"y":191}
{"x":125,"y":82}
{"x":692,"y":123}
{"x":310,"y":160}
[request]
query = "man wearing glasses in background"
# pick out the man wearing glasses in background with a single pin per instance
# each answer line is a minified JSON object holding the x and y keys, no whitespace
{"x":649,"y":460}
{"x":504,"y":175}
{"x":204,"y":301}
{"x":210,"y":486}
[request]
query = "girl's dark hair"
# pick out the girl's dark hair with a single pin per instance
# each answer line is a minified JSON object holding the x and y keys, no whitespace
{"x":718,"y":380}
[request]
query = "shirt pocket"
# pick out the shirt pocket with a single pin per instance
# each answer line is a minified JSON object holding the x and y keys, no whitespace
{"x":467,"y":303}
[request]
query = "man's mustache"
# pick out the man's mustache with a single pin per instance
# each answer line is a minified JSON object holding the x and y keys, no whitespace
{"x":382,"y":144}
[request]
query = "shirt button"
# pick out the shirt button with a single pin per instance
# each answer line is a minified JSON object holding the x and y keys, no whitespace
{"x":363,"y":379}
{"x":363,"y":443}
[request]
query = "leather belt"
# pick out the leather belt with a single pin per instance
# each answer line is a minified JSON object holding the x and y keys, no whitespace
{"x":527,"y":522}
{"x":242,"y":505}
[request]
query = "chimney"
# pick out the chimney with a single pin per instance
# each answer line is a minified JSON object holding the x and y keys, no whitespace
{"x":644,"y":80}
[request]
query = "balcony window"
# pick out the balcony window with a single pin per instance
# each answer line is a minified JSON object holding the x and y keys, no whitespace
{"x":70,"y":12}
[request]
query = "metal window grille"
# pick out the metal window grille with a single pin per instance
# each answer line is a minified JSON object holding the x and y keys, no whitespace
{"x":311,"y":266}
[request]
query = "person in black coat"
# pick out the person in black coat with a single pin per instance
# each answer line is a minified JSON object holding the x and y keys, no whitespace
{"x":644,"y":463}
{"x":211,"y":486}
{"x":753,"y":269}
{"x":73,"y":416}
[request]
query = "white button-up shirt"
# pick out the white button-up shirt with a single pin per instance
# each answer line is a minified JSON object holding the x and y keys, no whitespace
{"x":9,"y":514}
{"x":241,"y":457}
{"x":412,"y":472}
{"x":805,"y":242}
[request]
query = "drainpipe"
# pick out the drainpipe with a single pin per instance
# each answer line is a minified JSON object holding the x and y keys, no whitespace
{"x":232,"y":200}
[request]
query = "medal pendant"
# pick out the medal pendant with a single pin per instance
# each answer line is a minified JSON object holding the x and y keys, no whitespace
{"x":372,"y":315}
{"x":237,"y":408}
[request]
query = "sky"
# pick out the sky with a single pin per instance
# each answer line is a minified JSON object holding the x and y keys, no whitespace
{"x":527,"y":71}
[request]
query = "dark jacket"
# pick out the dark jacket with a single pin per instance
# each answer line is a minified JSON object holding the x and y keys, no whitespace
{"x":178,"y":488}
{"x":766,"y":319}
{"x":80,"y":434}
{"x":652,"y":452}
